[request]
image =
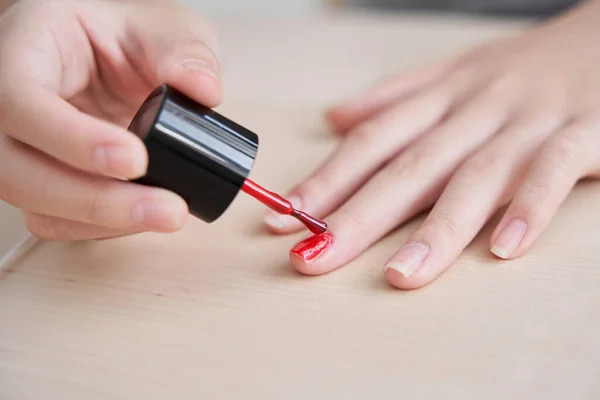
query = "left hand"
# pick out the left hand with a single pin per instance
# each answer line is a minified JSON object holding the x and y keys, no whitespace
{"x":514,"y":121}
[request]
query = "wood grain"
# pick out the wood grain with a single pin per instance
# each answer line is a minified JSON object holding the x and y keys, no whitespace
{"x":216,"y":312}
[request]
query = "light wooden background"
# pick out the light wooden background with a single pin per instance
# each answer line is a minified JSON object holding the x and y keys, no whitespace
{"x":216,"y":312}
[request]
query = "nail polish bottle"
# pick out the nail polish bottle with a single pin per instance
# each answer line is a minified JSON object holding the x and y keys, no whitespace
{"x":194,"y":151}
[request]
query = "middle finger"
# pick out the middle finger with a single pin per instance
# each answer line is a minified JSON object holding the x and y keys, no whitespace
{"x":33,"y":181}
{"x":365,"y":149}
{"x":59,"y":229}
{"x":416,"y":176}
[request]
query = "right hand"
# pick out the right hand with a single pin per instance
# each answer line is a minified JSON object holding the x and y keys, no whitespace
{"x":72,"y":75}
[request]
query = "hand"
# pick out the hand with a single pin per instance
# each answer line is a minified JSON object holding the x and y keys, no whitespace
{"x":516,"y":121}
{"x":72,"y":75}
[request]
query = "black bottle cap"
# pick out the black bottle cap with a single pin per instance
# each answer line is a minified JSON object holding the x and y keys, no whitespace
{"x":194,"y":151}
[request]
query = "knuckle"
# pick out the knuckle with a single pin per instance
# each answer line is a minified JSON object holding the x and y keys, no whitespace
{"x":443,"y":223}
{"x":478,"y":167}
{"x":405,"y":166}
{"x":93,"y":210}
{"x":537,"y":193}
{"x":55,"y":140}
{"x":314,"y":187}
{"x":530,"y":203}
{"x":62,"y":138}
{"x":365,"y":135}
{"x":562,"y":151}
{"x":503,"y":85}
{"x":354,"y":217}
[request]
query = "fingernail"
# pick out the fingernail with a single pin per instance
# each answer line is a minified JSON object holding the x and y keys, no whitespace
{"x":157,"y":215}
{"x":119,"y":161}
{"x":199,"y":65}
{"x":278,"y":221}
{"x":509,"y":239}
{"x":312,"y":247}
{"x":409,"y":259}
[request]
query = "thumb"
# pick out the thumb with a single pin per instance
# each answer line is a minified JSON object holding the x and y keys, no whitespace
{"x":178,"y":48}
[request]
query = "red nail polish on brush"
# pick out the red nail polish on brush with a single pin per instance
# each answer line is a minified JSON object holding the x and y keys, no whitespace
{"x":282,"y":206}
{"x":202,"y":156}
{"x":312,"y":247}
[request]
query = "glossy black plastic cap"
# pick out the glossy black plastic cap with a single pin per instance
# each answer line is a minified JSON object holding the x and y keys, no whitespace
{"x":194,"y":151}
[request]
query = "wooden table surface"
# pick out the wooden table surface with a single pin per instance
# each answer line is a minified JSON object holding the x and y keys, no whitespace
{"x":216,"y":312}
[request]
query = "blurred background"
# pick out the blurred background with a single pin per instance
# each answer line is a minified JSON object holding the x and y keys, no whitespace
{"x":270,"y":7}
{"x":527,"y":8}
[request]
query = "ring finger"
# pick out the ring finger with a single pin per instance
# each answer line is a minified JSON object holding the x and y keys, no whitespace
{"x":474,"y":193}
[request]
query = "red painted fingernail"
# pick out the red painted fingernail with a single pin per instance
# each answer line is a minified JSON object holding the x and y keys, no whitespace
{"x":312,"y":247}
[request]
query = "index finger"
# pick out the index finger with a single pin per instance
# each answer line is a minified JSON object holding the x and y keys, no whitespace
{"x":41,"y":119}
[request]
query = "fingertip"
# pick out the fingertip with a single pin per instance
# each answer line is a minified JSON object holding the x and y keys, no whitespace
{"x":313,"y":255}
{"x":167,"y":212}
{"x":336,"y":120}
{"x":202,"y":87}
{"x":281,"y":224}
{"x":284,"y":224}
{"x":507,"y":242}
{"x":498,"y":252}
{"x":122,"y":156}
{"x":302,"y":266}
{"x":502,"y":255}
{"x":274,"y":222}
{"x":193,"y":69}
{"x":399,"y":281}
{"x":181,"y":212}
{"x":136,"y":165}
{"x":412,"y":267}
{"x":140,"y":159}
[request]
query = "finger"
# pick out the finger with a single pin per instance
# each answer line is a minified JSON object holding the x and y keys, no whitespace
{"x":33,"y":181}
{"x":362,"y":153}
{"x":471,"y":197}
{"x":58,"y":229}
{"x":371,"y":145}
{"x":34,"y":116}
{"x":178,"y":48}
{"x":561,"y":162}
{"x":406,"y":185}
{"x":351,"y":112}
{"x":33,"y":112}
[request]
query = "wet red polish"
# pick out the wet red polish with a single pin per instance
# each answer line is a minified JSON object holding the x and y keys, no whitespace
{"x":282,"y":206}
{"x":312,"y":247}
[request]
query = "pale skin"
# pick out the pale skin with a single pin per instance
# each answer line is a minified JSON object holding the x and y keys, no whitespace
{"x":515,"y":122}
{"x":72,"y":75}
